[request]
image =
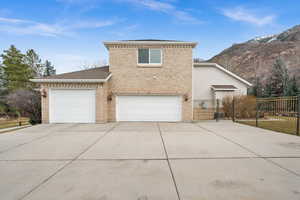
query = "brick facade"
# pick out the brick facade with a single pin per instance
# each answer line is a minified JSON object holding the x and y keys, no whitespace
{"x":173,"y":77}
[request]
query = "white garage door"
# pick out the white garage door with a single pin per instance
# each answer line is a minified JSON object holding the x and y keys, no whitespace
{"x":148,"y":108}
{"x":72,"y":106}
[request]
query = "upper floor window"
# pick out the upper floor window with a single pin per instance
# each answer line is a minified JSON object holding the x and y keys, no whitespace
{"x":149,"y":56}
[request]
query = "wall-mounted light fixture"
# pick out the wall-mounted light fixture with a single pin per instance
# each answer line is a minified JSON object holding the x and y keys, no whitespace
{"x":43,"y":92}
{"x":186,"y":97}
{"x":109,"y":97}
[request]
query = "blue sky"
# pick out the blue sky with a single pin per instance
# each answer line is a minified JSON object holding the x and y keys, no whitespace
{"x":70,"y":32}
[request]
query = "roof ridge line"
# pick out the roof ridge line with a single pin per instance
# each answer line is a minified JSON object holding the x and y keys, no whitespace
{"x":78,"y":71}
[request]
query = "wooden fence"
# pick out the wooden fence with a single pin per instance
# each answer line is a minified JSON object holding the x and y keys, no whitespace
{"x":13,"y":122}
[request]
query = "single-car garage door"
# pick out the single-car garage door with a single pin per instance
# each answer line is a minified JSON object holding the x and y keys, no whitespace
{"x":148,"y":108}
{"x":72,"y":106}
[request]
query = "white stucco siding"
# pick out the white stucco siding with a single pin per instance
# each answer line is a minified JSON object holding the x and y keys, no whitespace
{"x":205,"y":76}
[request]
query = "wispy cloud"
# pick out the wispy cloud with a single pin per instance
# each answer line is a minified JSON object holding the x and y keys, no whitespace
{"x":165,"y":7}
{"x":91,"y":24}
{"x":81,"y":6}
{"x":12,"y":20}
{"x":249,"y":16}
{"x":28,"y":27}
{"x":76,"y":1}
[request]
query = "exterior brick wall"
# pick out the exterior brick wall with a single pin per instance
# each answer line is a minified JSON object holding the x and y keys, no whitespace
{"x":101,"y":104}
{"x":173,"y":77}
{"x":45,"y":106}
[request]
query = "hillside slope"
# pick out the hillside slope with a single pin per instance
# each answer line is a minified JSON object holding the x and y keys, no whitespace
{"x":256,"y":57}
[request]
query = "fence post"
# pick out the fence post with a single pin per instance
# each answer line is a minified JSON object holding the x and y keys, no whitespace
{"x":233,"y":110}
{"x":298,"y":114}
{"x":257,"y":112}
{"x":218,"y":107}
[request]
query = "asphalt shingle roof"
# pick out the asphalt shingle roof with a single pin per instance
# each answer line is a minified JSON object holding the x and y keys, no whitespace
{"x":93,"y":73}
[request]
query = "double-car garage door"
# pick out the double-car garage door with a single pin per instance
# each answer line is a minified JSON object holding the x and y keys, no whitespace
{"x":148,"y":108}
{"x":78,"y":106}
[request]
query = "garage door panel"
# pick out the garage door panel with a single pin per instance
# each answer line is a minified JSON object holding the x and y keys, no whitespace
{"x":148,"y":108}
{"x":72,"y":106}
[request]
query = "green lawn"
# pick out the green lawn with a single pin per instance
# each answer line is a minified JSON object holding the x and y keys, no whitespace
{"x":284,"y":126}
{"x":13,"y":123}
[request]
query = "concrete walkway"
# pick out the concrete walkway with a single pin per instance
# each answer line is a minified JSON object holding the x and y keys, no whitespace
{"x":149,"y":161}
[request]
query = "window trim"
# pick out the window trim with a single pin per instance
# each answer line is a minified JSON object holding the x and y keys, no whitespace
{"x":150,"y":64}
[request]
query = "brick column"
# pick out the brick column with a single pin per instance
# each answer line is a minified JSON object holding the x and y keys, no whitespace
{"x":45,"y":106}
{"x":101,"y":103}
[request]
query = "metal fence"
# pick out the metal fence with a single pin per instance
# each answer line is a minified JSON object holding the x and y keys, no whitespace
{"x":276,"y":113}
{"x":278,"y":107}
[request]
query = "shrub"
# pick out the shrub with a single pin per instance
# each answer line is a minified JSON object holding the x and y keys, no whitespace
{"x":3,"y":109}
{"x":7,"y":112}
{"x":227,"y":106}
{"x":245,"y":106}
{"x":27,"y":103}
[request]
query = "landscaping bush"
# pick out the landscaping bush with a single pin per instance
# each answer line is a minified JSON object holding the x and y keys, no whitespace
{"x":7,"y":112}
{"x":227,"y":106}
{"x":245,"y":106}
{"x":3,"y":110}
{"x":27,"y":103}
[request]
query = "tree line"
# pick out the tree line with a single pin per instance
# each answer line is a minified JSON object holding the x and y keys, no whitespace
{"x":279,"y":82}
{"x":17,"y":68}
{"x":19,"y":96}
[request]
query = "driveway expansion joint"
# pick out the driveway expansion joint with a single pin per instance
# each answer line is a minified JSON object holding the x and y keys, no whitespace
{"x":168,"y":161}
{"x":249,"y":150}
{"x":67,"y":164}
{"x":30,"y":141}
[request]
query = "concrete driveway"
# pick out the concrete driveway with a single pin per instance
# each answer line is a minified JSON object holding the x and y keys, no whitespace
{"x":149,"y":161}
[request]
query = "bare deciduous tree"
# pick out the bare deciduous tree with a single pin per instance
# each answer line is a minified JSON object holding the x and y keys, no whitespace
{"x":89,"y":65}
{"x":27,"y":102}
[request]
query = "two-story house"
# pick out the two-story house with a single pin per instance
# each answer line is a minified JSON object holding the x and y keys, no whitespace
{"x":146,"y":80}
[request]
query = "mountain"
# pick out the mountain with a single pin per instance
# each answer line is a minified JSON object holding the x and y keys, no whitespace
{"x":256,"y":56}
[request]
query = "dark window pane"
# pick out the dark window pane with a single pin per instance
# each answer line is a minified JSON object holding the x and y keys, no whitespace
{"x":144,"y":56}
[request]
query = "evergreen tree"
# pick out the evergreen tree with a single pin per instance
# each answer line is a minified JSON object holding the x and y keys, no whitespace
{"x":279,"y":79}
{"x":49,"y":69}
{"x":2,"y":88}
{"x":33,"y":60}
{"x":1,"y":75}
{"x":257,"y":89}
{"x":267,"y":90}
{"x":15,"y":72}
{"x":292,"y":87}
